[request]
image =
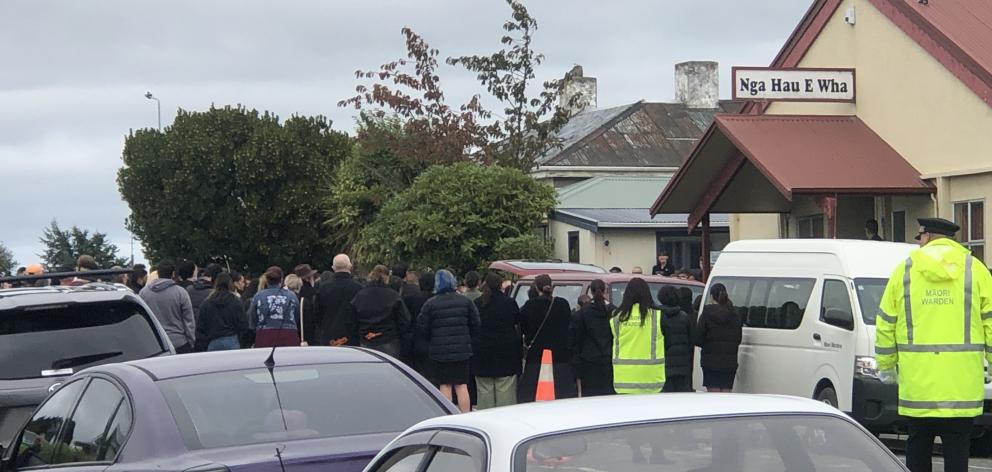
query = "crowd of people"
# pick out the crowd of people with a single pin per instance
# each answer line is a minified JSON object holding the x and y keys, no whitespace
{"x":469,"y":337}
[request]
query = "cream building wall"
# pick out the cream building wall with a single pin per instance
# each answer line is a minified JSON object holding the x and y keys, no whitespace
{"x":627,"y":248}
{"x":915,"y":104}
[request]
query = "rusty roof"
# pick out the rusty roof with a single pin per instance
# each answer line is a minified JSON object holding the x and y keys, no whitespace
{"x":820,"y":155}
{"x":640,"y":134}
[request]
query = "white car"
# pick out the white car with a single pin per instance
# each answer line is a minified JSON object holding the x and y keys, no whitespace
{"x":666,"y":432}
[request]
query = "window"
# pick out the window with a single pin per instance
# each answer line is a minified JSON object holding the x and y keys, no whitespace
{"x":407,"y":459}
{"x":447,"y":459}
{"x":899,"y":226}
{"x":573,"y":246}
{"x":870,"y":297}
{"x":570,"y":293}
{"x":971,"y":217}
{"x":835,"y":307}
{"x":313,"y":400}
{"x":768,"y":302}
{"x":744,"y":444}
{"x":810,"y":227}
{"x":68,"y":338}
{"x":88,"y":436}
{"x":40,"y":437}
{"x":617,"y":290}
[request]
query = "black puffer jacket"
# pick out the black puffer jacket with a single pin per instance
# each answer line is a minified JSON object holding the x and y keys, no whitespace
{"x":676,"y":325}
{"x":719,"y":333}
{"x":498,"y":352}
{"x":449,"y":322}
{"x":590,"y":335}
{"x":381,"y":316}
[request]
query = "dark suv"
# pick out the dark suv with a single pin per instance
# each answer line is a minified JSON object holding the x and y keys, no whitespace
{"x":49,"y":333}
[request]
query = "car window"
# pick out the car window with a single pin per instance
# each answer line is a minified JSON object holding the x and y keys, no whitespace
{"x":617,"y":290}
{"x":39,"y":438}
{"x":745,"y":444}
{"x":521,"y":296}
{"x":769,"y":302}
{"x":870,"y":297}
{"x":64,"y":339}
{"x":570,"y":293}
{"x":407,"y":459}
{"x":316,"y":401}
{"x":837,"y":303}
{"x":117,"y":432}
{"x":448,"y":459}
{"x":87,"y":436}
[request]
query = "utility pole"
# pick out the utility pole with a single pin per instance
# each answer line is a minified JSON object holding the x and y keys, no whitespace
{"x":158,"y":104}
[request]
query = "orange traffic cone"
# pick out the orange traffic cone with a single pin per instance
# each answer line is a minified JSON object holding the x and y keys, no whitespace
{"x":546,"y":379}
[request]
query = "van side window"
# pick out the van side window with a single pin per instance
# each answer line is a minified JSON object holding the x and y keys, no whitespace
{"x":835,"y":308}
{"x":769,"y":302}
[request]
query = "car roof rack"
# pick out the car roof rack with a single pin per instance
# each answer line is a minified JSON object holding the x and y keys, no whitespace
{"x":66,"y":275}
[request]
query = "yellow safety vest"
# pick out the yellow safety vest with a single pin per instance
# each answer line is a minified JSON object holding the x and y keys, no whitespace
{"x":638,"y":353}
{"x":935,"y":325}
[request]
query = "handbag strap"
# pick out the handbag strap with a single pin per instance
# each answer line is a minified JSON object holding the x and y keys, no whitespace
{"x":541,"y":327}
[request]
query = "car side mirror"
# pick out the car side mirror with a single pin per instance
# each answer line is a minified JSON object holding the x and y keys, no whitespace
{"x":839,"y":318}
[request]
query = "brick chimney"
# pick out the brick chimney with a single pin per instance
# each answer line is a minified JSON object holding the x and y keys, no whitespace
{"x":578,"y":84}
{"x":697,"y":84}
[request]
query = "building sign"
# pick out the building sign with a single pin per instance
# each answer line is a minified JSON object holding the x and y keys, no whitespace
{"x":793,"y":85}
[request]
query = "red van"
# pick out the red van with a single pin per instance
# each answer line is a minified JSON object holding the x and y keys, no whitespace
{"x":570,"y":285}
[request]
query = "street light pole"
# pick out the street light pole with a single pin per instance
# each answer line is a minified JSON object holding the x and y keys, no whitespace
{"x":158,"y":105}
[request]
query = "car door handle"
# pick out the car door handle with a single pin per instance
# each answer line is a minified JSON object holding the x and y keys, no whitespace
{"x":816,"y":336}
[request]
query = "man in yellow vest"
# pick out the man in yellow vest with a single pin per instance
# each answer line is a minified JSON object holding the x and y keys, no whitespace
{"x":934,"y":331}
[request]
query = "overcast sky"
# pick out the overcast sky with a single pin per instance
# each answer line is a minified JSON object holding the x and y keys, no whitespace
{"x":73,"y":73}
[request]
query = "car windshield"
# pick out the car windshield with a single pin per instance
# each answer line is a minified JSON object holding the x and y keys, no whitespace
{"x":59,"y":340}
{"x":741,"y":444}
{"x":870,"y":297}
{"x":316,"y":402}
{"x":617,"y":290}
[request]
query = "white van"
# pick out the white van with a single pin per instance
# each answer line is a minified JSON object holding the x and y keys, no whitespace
{"x":808,"y":307}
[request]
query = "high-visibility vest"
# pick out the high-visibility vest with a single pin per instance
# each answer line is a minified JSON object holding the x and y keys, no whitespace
{"x":935,"y":325}
{"x":638,"y":353}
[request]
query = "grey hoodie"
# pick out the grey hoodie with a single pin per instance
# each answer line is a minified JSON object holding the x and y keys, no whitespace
{"x":171,"y":305}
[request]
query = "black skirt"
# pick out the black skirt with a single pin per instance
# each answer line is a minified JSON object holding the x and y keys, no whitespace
{"x":718,"y":379}
{"x":451,"y":373}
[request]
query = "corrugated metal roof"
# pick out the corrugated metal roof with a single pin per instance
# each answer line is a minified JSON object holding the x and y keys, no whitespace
{"x":636,"y":217}
{"x":612,"y":192}
{"x":636,"y":135}
{"x":967,"y":23}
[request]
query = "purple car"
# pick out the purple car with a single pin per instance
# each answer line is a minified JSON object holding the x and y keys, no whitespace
{"x":293,"y":409}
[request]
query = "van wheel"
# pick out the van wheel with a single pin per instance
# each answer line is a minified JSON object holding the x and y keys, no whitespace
{"x":827,"y":395}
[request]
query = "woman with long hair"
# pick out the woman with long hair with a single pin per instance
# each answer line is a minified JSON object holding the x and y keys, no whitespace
{"x":450,"y":324}
{"x":497,"y":358}
{"x":222,"y":319}
{"x":545,"y":321}
{"x":592,"y":342}
{"x":719,"y":333}
{"x":638,"y":342}
{"x":382,"y":318}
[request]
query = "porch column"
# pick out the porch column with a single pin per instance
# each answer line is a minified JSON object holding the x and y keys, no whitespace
{"x":828,"y":205}
{"x":706,"y":244}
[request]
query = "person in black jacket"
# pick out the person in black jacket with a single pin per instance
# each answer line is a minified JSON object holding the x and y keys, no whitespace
{"x":222,"y":317}
{"x":308,"y":299}
{"x":201,"y":288}
{"x":337,"y":323}
{"x":592,"y":341}
{"x":677,"y":328}
{"x":380,"y":314}
{"x":497,"y":357}
{"x":450,"y":323}
{"x":414,"y":303}
{"x":664,"y":265}
{"x":545,"y":321}
{"x":719,"y":334}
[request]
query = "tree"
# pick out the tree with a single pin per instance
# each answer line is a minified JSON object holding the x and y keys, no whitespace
{"x":530,"y":122}
{"x":455,"y":216}
{"x":64,"y":246}
{"x":526,"y":246}
{"x":230,"y":183}
{"x":369,"y":177}
{"x":7,"y":262}
{"x":409,"y":92}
